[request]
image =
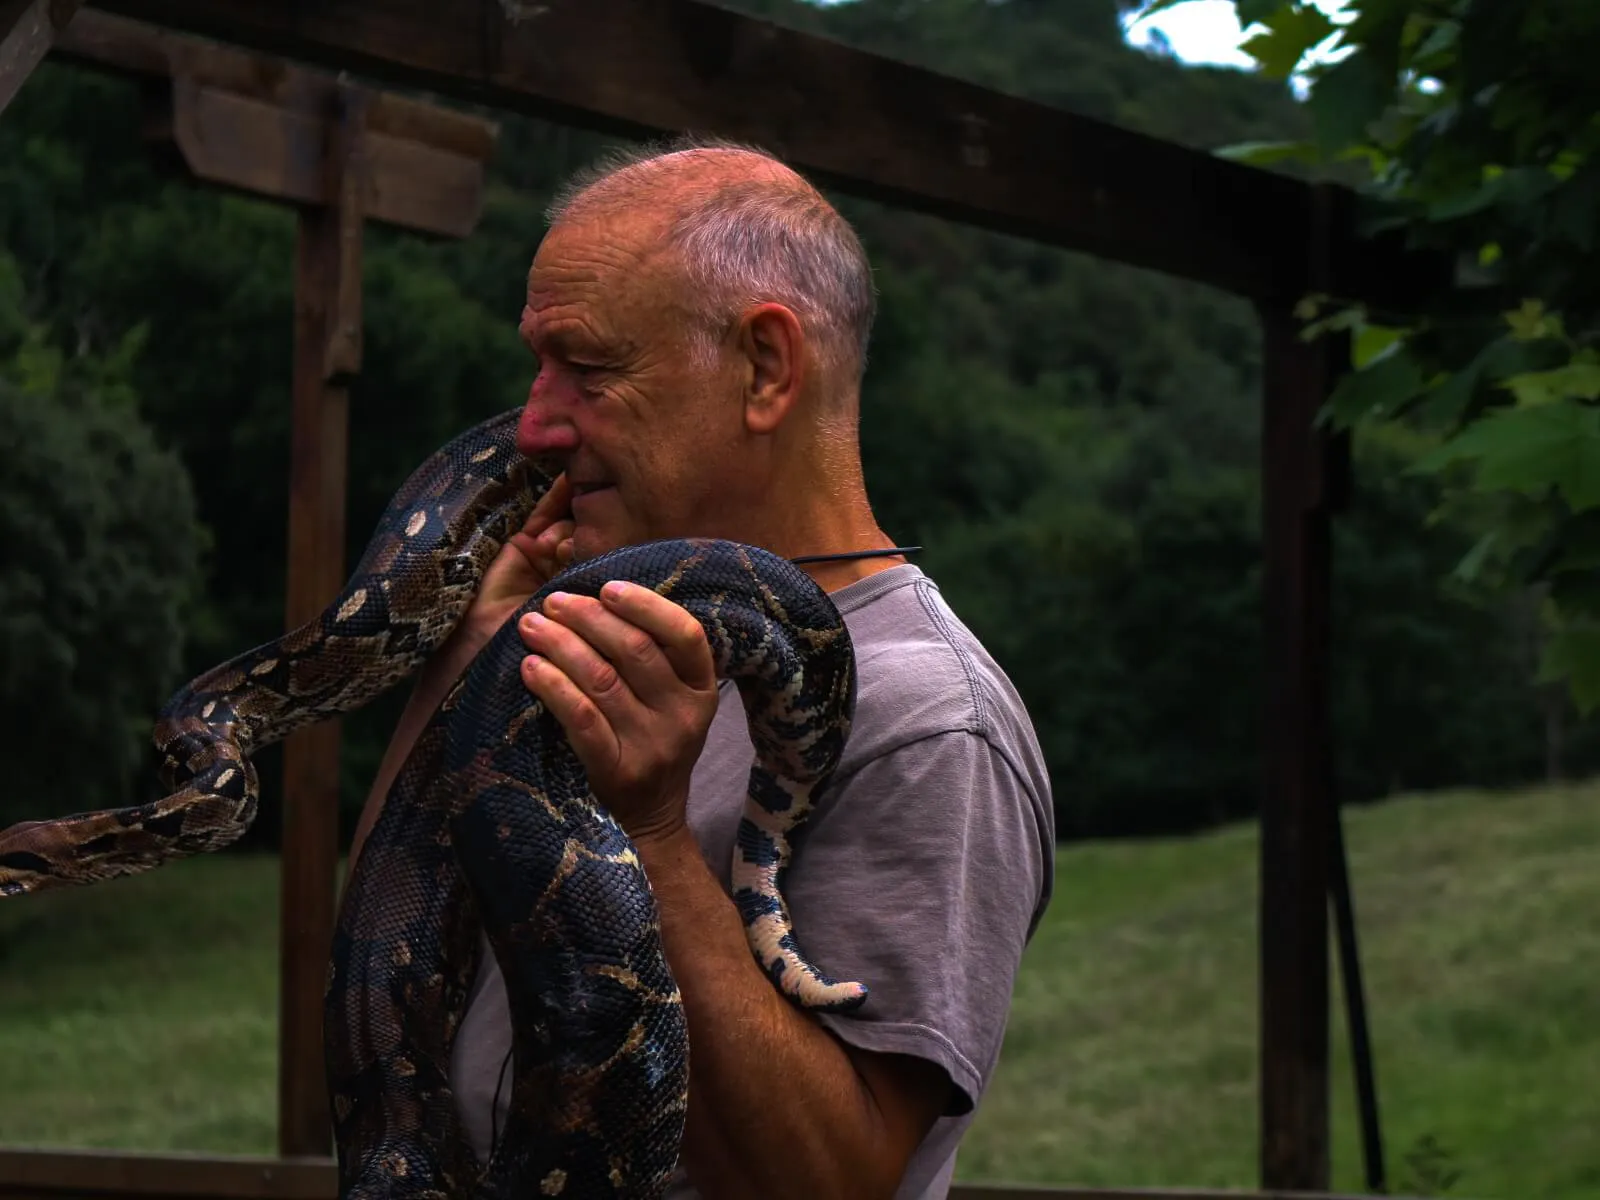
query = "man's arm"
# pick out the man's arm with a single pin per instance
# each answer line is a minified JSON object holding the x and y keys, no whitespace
{"x":778,"y":1106}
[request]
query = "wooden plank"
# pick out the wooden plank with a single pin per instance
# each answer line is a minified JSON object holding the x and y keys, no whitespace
{"x":137,"y":48}
{"x":327,"y":350}
{"x":989,"y":1191}
{"x":1304,"y":478}
{"x":28,"y":28}
{"x":858,"y":121}
{"x":241,"y":123}
{"x":254,"y":146}
{"x":98,"y":1174}
{"x":93,"y":1174}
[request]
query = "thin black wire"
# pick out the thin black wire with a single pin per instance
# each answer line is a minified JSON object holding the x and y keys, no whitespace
{"x":892,"y":550}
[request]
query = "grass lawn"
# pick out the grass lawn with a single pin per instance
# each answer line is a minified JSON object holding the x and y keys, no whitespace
{"x":142,"y":1014}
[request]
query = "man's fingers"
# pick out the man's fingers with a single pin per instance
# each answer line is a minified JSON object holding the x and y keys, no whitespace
{"x":548,"y":552}
{"x":617,"y":664}
{"x":553,"y":505}
{"x":679,"y":635}
{"x":592,"y":737}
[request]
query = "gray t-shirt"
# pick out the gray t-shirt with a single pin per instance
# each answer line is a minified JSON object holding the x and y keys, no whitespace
{"x":922,"y":872}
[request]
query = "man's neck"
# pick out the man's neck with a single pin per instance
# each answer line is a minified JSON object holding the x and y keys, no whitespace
{"x":843,"y":527}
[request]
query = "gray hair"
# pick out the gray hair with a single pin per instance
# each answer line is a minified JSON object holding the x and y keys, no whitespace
{"x":747,"y":242}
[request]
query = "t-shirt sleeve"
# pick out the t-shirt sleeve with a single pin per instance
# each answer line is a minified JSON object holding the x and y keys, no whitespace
{"x":921,"y":875}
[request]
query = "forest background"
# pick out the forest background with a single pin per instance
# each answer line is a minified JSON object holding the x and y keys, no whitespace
{"x":1075,"y":444}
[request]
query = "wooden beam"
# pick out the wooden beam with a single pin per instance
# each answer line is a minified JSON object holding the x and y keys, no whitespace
{"x":255,"y":124}
{"x":858,"y":121}
{"x":1304,"y":480}
{"x":27,"y":30}
{"x":102,"y":1175}
{"x":327,"y":354}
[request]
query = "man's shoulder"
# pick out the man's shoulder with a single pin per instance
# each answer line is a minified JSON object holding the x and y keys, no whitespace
{"x":922,"y":672}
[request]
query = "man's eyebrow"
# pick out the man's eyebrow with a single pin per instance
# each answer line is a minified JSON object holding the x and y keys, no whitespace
{"x":565,"y":340}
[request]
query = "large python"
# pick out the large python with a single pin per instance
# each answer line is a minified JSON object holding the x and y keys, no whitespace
{"x":491,"y":829}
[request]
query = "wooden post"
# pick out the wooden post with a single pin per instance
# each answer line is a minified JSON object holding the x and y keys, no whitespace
{"x":327,"y":356}
{"x":1305,"y":478}
{"x":342,"y":155}
{"x":27,"y":30}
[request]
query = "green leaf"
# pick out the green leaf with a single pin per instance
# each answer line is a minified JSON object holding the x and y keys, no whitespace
{"x":1370,"y":341}
{"x":1530,"y":322}
{"x":1252,"y":12}
{"x":1347,"y":99}
{"x":1468,"y":201}
{"x":1573,"y":654}
{"x":1264,"y":154}
{"x":1291,"y":32}
{"x":1471,"y":564}
{"x":1580,"y":546}
{"x":1530,"y":451}
{"x":1376,"y":390}
{"x":1154,"y":7}
{"x":1577,"y":380}
{"x":1338,"y":321}
{"x":1441,"y":39}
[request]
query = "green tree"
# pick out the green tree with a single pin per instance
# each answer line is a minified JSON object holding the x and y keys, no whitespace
{"x":102,"y":563}
{"x":1476,"y":125}
{"x":1075,"y":443}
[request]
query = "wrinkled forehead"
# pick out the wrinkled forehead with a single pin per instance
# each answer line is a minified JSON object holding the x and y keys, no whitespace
{"x":614,"y":258}
{"x":614,"y":278}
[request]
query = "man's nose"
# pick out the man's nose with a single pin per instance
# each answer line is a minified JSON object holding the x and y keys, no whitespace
{"x":546,"y":426}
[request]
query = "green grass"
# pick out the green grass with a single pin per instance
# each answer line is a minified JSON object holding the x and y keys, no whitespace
{"x":142,"y":1014}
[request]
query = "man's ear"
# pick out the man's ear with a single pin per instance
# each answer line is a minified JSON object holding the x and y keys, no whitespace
{"x":775,"y":350}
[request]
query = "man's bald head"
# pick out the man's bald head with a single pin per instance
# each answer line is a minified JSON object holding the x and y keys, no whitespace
{"x":745,"y":229}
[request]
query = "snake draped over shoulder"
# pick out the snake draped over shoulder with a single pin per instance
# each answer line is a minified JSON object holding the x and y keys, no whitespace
{"x":491,"y":832}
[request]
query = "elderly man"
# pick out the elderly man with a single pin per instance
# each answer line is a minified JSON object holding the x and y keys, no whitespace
{"x":700,"y":318}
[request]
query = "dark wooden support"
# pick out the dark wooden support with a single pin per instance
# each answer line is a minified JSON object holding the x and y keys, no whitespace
{"x":854,"y":120}
{"x":327,"y":355}
{"x":254,"y":124}
{"x":343,"y":155}
{"x":1304,"y":480}
{"x":28,"y":28}
{"x":115,"y":1175}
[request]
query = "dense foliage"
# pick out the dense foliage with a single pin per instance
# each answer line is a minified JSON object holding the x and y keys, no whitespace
{"x":101,"y":566}
{"x":1075,"y":443}
{"x":1478,"y":126}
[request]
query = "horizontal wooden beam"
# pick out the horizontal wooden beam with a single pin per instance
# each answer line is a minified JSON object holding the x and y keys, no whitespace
{"x":98,"y":1174}
{"x":857,"y":121}
{"x":259,"y":125}
{"x":140,"y":49}
{"x":989,"y":1191}
{"x":102,"y":1175}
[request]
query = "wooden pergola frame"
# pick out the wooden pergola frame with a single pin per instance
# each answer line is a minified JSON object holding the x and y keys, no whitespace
{"x":873,"y":127}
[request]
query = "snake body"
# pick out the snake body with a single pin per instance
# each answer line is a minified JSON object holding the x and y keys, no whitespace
{"x":491,"y":830}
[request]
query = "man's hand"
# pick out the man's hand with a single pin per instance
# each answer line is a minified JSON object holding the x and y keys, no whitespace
{"x":631,"y":679}
{"x":531,"y":557}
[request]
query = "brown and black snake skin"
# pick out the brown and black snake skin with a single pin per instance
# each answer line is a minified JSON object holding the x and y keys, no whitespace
{"x":491,"y":828}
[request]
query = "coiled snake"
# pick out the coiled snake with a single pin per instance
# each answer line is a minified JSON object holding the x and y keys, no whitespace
{"x":491,"y":828}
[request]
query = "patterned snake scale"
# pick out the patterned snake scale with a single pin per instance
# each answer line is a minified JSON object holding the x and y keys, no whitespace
{"x":491,"y":829}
